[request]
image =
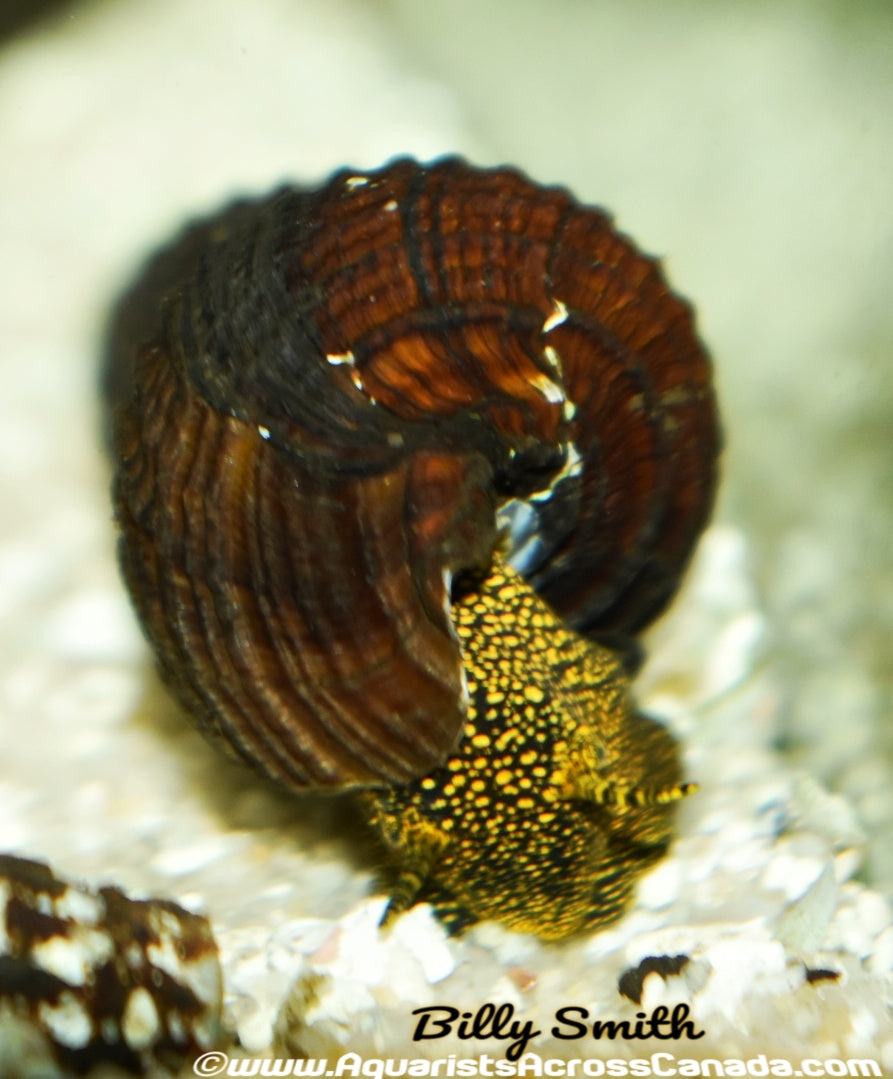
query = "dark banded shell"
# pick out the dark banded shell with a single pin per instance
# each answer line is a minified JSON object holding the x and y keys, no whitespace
{"x":94,"y":980}
{"x":327,"y":405}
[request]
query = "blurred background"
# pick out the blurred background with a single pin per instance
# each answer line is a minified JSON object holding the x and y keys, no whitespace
{"x":748,"y":142}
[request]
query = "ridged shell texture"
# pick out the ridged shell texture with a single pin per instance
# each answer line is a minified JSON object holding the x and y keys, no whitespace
{"x":330,"y":407}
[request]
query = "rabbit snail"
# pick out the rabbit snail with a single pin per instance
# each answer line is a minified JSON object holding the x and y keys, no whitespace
{"x":401,"y":465}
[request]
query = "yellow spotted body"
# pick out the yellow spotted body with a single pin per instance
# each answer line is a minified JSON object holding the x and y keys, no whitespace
{"x":559,"y":794}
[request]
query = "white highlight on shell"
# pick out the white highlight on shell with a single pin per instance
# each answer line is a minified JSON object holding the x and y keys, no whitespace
{"x":390,"y":206}
{"x":79,"y":907}
{"x":95,"y":944}
{"x":202,"y":975}
{"x":62,"y":956}
{"x":356,"y":181}
{"x":552,"y":392}
{"x":162,"y":953}
{"x":464,"y":695}
{"x":68,"y":1022}
{"x":336,"y":359}
{"x":133,"y":955}
{"x":357,"y":379}
{"x":573,"y":466}
{"x":264,"y":432}
{"x":550,"y":355}
{"x":140,"y":1024}
{"x":556,"y":317}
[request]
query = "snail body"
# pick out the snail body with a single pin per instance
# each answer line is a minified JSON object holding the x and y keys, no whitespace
{"x":337,"y":417}
{"x":558,"y":796}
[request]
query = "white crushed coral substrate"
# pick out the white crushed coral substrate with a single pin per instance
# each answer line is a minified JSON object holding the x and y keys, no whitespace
{"x":112,"y":785}
{"x":757,"y":893}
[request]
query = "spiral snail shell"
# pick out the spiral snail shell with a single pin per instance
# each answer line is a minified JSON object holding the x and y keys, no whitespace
{"x":94,"y":980}
{"x":369,"y":435}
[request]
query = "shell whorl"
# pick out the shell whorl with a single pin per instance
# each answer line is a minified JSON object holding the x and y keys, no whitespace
{"x":328,"y":405}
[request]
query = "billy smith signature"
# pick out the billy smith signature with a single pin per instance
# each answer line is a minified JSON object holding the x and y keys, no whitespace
{"x":498,"y":1021}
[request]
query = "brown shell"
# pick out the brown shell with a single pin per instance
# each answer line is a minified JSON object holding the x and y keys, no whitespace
{"x":319,"y":402}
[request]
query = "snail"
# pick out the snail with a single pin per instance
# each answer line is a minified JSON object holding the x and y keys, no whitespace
{"x":402,"y":465}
